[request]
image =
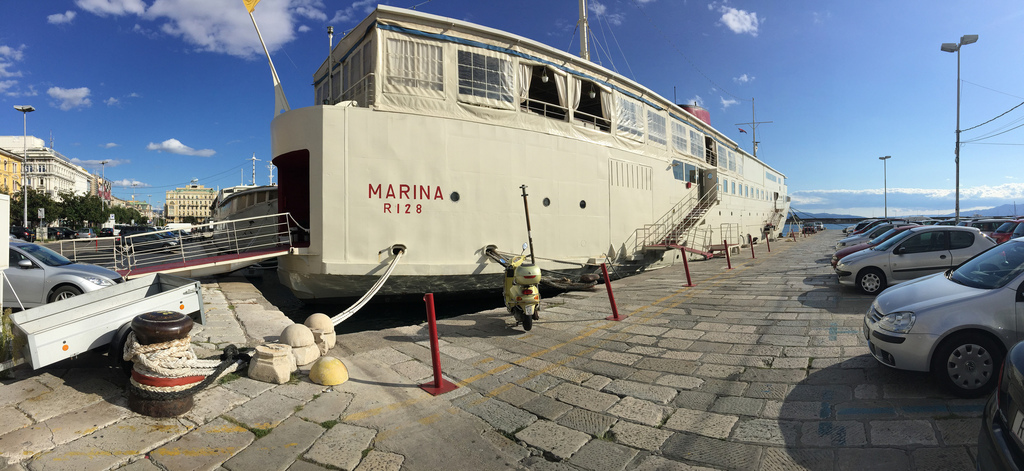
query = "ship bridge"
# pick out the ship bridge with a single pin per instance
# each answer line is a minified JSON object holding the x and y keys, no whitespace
{"x":200,"y":250}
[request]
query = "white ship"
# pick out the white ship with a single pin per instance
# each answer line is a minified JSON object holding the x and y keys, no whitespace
{"x":426,"y":128}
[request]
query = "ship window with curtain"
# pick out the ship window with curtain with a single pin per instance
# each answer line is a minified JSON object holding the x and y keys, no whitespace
{"x":485,"y":78}
{"x":696,"y":144}
{"x":545,"y":91}
{"x":629,"y":121}
{"x":679,"y":142}
{"x":656,"y":131}
{"x":594,"y":106}
{"x":357,"y":76}
{"x":414,"y":68}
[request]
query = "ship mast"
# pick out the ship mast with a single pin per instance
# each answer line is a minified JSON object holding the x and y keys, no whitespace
{"x":584,"y":31}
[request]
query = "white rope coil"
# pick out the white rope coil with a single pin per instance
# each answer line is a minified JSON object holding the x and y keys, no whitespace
{"x":173,"y":359}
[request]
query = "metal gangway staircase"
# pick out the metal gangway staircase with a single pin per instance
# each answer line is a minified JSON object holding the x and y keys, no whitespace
{"x":679,"y":228}
{"x":199,"y":250}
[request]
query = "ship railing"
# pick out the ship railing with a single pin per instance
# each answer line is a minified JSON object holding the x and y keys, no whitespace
{"x":546,"y":109}
{"x":197,"y":244}
{"x":678,"y":226}
{"x":590,"y":121}
{"x":362,"y":92}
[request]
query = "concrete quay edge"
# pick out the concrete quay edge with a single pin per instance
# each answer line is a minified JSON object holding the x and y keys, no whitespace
{"x":762,"y":366}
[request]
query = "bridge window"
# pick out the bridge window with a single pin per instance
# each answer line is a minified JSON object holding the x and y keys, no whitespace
{"x":415,"y":68}
{"x":545,"y":91}
{"x":485,"y":78}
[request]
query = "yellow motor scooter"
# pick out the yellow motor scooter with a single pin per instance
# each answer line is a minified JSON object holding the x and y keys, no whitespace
{"x":522,"y":290}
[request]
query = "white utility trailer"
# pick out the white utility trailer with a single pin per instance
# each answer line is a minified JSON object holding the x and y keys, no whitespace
{"x":52,"y":332}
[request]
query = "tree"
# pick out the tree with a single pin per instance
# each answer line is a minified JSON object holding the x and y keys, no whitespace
{"x":36,"y":200}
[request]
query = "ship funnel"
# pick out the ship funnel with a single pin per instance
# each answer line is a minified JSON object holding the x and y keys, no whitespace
{"x":698,"y":112}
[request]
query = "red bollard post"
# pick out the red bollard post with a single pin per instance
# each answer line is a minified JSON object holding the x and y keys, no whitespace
{"x":611,"y":297}
{"x":728,"y":260}
{"x":686,"y":265}
{"x":768,"y":243}
{"x":751,"y":249}
{"x":439,"y":385}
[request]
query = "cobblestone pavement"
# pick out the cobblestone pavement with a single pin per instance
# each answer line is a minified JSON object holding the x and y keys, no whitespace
{"x":761,"y":366}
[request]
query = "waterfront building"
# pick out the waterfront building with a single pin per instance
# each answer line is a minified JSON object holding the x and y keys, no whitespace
{"x":10,"y":171}
{"x":46,"y":170}
{"x":194,"y":200}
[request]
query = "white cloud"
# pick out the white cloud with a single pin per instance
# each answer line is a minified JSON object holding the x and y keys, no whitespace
{"x":129,"y":183}
{"x":112,"y":7}
{"x":175,"y":146}
{"x":8,"y":56}
{"x":600,"y":11}
{"x":743,"y":79}
{"x":727,"y":102}
{"x":304,"y":29}
{"x":101,"y":163}
{"x":739,"y":21}
{"x":696,"y":100}
{"x":61,"y":18}
{"x":354,"y":11}
{"x":70,"y":98}
{"x":7,"y":85}
{"x":906,"y":201}
{"x":108,"y":145}
{"x":112,"y":101}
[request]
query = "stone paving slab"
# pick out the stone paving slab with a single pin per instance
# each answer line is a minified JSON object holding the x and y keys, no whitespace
{"x":759,"y":367}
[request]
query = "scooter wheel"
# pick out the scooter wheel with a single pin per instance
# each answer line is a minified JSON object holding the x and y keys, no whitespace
{"x":527,"y":322}
{"x":536,"y":313}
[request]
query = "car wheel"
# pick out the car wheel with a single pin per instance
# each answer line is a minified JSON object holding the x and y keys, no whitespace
{"x":64,"y":292}
{"x":967,"y":364}
{"x":871,"y":280}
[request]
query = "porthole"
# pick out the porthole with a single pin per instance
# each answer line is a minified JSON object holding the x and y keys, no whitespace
{"x":455,"y":197}
{"x":547,"y":202}
{"x":583,"y":204}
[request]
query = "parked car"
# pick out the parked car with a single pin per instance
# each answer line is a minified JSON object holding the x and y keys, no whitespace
{"x":862,"y":225}
{"x":23,"y":233}
{"x":987,"y":226}
{"x":1005,"y":231}
{"x":58,"y":233}
{"x":958,"y":324}
{"x":911,"y":254}
{"x":808,"y":228}
{"x":106,"y":232}
{"x":863,"y":237}
{"x":999,"y":442}
{"x":819,"y":226}
{"x":866,"y":245}
{"x":39,"y":275}
{"x":139,"y":239}
{"x":85,"y":233}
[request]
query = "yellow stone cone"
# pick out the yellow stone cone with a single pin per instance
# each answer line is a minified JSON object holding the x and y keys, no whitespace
{"x":328,"y":371}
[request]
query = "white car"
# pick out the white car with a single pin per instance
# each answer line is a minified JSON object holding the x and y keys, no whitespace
{"x":911,"y":254}
{"x":958,"y":324}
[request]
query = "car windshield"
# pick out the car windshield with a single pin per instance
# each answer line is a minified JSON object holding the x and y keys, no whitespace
{"x":892,"y":241}
{"x":993,"y":268}
{"x":883,"y":236}
{"x":1006,"y":227}
{"x":45,"y":255}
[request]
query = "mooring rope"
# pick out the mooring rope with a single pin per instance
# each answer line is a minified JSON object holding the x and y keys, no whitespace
{"x":338,"y":319}
{"x":171,"y":369}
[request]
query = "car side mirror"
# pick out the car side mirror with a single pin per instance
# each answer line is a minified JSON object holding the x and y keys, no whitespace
{"x":25,"y":263}
{"x":900,"y":250}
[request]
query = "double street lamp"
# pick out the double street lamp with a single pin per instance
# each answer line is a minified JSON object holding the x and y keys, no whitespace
{"x":955,"y":47}
{"x":25,"y":110}
{"x":885,"y":182}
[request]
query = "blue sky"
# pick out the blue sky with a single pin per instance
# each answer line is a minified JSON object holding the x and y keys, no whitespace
{"x":174,"y":90}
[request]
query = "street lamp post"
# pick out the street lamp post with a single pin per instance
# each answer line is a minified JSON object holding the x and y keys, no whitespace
{"x":955,"y":47}
{"x":25,"y":110}
{"x":885,"y":191}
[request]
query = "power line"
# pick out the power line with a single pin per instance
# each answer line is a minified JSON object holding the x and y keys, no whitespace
{"x":993,"y":119}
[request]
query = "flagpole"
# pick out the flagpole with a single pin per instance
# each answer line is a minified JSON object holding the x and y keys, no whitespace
{"x":280,"y":101}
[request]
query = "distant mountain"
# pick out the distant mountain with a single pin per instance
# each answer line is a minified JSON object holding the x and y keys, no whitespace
{"x":1004,"y":210}
{"x":803,"y":215}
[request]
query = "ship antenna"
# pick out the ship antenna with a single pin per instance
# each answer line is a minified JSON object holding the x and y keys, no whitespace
{"x":330,"y":64}
{"x":584,"y":31}
{"x":254,"y":160}
{"x":280,"y":101}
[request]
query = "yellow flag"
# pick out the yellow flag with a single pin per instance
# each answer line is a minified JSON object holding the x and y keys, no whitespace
{"x":250,"y":4}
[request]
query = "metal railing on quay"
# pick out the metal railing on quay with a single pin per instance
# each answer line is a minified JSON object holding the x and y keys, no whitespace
{"x":194,"y":245}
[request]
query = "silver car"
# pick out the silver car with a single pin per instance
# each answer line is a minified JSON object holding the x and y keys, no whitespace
{"x":958,"y":324}
{"x":864,"y":236}
{"x":40,"y":275}
{"x":911,"y":254}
